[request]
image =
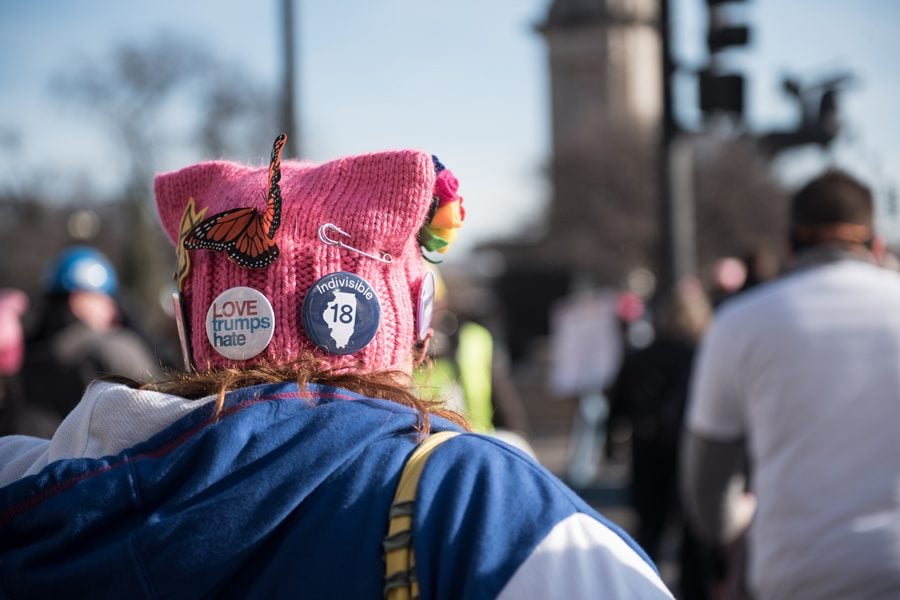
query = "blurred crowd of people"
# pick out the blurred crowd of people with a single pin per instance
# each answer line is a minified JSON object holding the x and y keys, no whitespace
{"x":52,"y":348}
{"x":759,"y":413}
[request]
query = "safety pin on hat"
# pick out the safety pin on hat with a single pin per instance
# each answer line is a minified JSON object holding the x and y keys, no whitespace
{"x":323,"y":235}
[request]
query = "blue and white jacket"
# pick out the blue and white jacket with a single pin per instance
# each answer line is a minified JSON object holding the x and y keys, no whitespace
{"x":143,"y":494}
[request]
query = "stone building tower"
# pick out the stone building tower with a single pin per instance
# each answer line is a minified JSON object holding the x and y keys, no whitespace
{"x":606,"y":106}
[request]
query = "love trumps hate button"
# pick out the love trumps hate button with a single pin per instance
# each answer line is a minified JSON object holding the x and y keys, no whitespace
{"x":240,"y":323}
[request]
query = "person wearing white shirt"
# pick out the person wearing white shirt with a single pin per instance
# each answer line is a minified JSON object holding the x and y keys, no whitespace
{"x":802,"y":375}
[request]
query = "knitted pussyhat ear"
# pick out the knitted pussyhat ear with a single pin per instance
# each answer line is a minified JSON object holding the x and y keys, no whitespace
{"x":295,"y":256}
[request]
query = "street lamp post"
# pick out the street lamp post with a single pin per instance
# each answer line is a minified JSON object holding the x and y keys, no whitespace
{"x":287,"y":115}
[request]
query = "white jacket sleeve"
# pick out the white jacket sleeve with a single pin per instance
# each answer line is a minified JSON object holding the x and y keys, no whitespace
{"x":582,"y":558}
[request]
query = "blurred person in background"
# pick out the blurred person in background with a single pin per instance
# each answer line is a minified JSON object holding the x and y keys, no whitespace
{"x":78,"y":333}
{"x":469,"y":369}
{"x":763,"y":264}
{"x":293,"y":457}
{"x":17,"y":416}
{"x":802,"y":372}
{"x":728,"y":277}
{"x":732,"y":275}
{"x":650,"y":394}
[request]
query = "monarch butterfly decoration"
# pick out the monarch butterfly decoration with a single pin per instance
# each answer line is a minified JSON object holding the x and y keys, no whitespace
{"x":245,"y":235}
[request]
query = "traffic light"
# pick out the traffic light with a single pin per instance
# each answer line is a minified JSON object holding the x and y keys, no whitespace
{"x":722,"y":91}
{"x":720,"y":38}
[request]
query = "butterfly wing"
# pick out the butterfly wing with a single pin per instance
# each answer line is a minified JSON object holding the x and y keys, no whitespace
{"x":253,"y":248}
{"x":221,"y":229}
{"x":238,"y":233}
{"x":272,"y":218}
{"x":247,"y":237}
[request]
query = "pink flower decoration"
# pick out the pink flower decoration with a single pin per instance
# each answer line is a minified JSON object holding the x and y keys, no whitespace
{"x":445,"y":187}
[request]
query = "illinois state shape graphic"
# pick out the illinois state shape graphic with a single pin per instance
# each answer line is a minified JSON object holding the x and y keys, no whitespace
{"x":340,"y":316}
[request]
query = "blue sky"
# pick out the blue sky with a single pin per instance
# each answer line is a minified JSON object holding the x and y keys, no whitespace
{"x":465,"y":80}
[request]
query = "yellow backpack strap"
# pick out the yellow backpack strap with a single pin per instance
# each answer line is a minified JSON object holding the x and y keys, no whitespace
{"x":400,"y":566}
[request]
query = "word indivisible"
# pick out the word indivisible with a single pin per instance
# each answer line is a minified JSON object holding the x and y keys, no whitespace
{"x":344,"y":283}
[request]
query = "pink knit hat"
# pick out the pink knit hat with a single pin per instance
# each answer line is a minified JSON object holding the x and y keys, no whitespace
{"x":274,"y":261}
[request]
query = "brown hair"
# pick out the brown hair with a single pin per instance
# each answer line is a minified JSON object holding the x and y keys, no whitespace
{"x":395,"y":386}
{"x":685,"y":312}
{"x":832,"y":208}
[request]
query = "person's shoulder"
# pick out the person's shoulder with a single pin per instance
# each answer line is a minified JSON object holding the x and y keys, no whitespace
{"x":877,"y":275}
{"x":509,"y":515}
{"x":123,"y":352}
{"x":477,"y":472}
{"x":853,"y":280}
{"x":485,"y":451}
{"x":496,"y":475}
{"x":758,"y":300}
{"x":122,"y":338}
{"x":80,"y":340}
{"x":74,"y":335}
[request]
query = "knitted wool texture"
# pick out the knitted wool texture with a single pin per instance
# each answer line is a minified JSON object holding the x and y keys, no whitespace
{"x":380,"y":199}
